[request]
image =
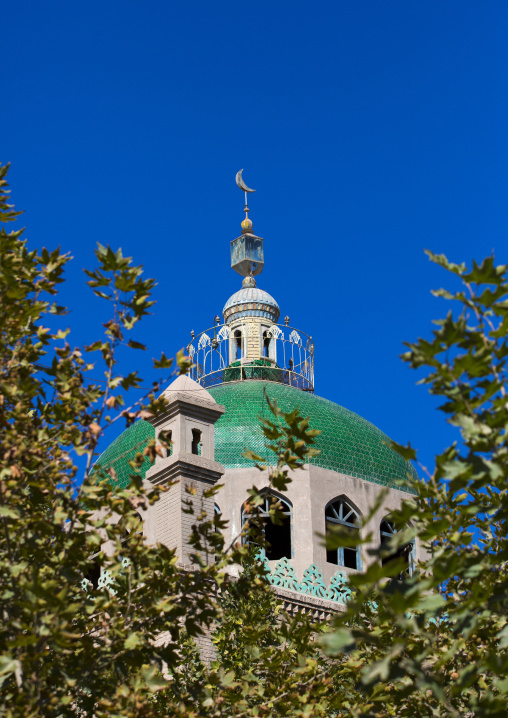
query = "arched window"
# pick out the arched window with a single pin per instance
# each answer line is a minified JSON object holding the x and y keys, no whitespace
{"x":237,"y":339}
{"x":196,"y":442}
{"x":166,"y":438}
{"x":266,"y":344}
{"x":94,"y":573}
{"x":278,"y":536}
{"x":340,"y":513}
{"x":387,"y":529}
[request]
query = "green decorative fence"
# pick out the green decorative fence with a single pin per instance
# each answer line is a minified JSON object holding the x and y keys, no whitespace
{"x":312,"y":583}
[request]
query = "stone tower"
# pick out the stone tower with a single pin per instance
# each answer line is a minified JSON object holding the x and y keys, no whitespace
{"x":188,"y":469}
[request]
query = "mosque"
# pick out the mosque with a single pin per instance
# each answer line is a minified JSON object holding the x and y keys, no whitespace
{"x":212,"y":415}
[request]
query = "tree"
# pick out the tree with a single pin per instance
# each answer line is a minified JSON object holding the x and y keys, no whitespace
{"x":65,"y":650}
{"x":72,"y":645}
{"x":436,"y":644}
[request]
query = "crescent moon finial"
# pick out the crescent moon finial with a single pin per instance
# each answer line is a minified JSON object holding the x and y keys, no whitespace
{"x":247,"y":223}
{"x":241,"y":183}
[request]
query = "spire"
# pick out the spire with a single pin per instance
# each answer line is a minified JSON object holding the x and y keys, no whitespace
{"x":251,"y":344}
{"x":247,"y":223}
{"x":247,"y":256}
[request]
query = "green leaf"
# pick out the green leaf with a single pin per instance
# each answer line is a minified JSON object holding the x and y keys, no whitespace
{"x":8,"y":512}
{"x":135,"y":345}
{"x":163,"y":362}
{"x":407,"y":452}
{"x":338,"y":641}
{"x":133,"y":640}
{"x":430,"y":603}
{"x":8,"y":664}
{"x":183,"y":361}
{"x":153,"y":678}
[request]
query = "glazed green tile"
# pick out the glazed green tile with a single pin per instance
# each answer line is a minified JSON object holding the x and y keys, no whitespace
{"x":348,"y":443}
{"x":121,"y":451}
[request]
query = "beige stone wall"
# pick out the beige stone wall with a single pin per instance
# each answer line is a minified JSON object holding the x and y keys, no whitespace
{"x":168,"y":531}
{"x":173,"y":523}
{"x":206,"y":648}
{"x":311,"y":490}
{"x":185,"y":476}
{"x":309,"y":493}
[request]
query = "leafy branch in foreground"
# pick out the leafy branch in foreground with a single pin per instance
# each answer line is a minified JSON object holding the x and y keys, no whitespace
{"x":433,"y":645}
{"x":437,"y":643}
{"x":65,"y":650}
{"x":87,"y":631}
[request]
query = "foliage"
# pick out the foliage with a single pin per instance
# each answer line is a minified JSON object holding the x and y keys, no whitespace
{"x":70,"y":646}
{"x":432,"y":645}
{"x":436,"y":644}
{"x":66,"y":651}
{"x":248,"y":622}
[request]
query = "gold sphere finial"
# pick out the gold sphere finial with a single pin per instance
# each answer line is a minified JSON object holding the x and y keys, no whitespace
{"x":247,"y":225}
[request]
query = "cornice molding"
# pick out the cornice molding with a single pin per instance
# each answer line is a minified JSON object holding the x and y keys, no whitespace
{"x":185,"y":466}
{"x":193,"y":406}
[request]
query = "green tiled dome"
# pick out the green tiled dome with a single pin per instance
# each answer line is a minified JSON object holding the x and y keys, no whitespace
{"x":349,"y":444}
{"x":122,"y":450}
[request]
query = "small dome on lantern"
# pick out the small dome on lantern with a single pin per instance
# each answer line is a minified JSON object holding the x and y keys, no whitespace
{"x":251,"y":302}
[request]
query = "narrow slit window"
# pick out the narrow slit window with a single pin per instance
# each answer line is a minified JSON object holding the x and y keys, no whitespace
{"x":218,"y":515}
{"x":196,"y":442}
{"x":266,"y":344}
{"x":238,"y":344}
{"x":166,"y":439}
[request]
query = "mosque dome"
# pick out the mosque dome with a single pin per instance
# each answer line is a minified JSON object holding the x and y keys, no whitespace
{"x":251,"y":302}
{"x":213,"y":416}
{"x":348,"y":443}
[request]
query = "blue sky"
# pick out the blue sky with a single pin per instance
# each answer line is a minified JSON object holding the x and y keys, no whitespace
{"x":370,"y":130}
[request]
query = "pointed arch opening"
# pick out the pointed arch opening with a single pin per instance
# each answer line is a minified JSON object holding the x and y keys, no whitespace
{"x":196,"y":444}
{"x":94,"y":573}
{"x":387,"y":529}
{"x":266,"y":345}
{"x":339,"y":512}
{"x":237,"y":345}
{"x":277,"y":536}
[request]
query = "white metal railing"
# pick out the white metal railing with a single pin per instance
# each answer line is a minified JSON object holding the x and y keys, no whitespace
{"x":221,"y":354}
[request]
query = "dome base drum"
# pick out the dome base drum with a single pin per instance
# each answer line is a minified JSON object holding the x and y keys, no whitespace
{"x":250,"y":347}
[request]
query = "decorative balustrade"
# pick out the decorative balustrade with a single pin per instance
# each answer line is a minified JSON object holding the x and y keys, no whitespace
{"x":274,"y":352}
{"x":283,"y":575}
{"x":106,"y":580}
{"x":312,"y":583}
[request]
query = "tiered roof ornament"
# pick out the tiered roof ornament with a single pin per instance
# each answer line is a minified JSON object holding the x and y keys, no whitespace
{"x":250,"y":344}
